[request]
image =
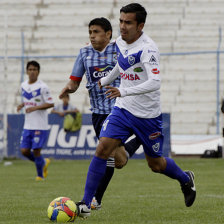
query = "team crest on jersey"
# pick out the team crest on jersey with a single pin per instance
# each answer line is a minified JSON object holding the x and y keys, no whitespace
{"x":131,"y":60}
{"x":34,"y":93}
{"x":156,"y":147}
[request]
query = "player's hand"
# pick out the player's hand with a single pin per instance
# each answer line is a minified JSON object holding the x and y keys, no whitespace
{"x":19,"y":107}
{"x":64,"y":92}
{"x":30,"y":109}
{"x":112,"y":92}
{"x":99,"y":84}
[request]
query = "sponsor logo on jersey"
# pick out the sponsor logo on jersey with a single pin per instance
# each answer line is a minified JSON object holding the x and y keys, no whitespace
{"x":153,"y":60}
{"x":37,"y":100}
{"x":131,"y":60}
{"x":156,"y":147}
{"x":129,"y":76}
{"x":155,"y":71}
{"x":138,"y":69}
{"x":155,"y":135}
{"x":98,"y":72}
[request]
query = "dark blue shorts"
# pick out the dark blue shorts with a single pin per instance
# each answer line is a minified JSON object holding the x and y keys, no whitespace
{"x":121,"y":124}
{"x":33,"y":139}
{"x":97,"y":120}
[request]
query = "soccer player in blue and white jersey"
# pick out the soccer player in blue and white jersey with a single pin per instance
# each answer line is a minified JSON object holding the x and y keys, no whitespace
{"x":36,"y":100}
{"x":96,"y":61}
{"x":137,"y":108}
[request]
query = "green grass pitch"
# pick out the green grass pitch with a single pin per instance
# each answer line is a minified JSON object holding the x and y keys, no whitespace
{"x":135,"y":194}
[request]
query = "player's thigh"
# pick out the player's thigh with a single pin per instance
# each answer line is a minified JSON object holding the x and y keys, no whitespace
{"x":39,"y":139}
{"x":106,"y":147}
{"x":116,"y":126}
{"x":26,"y":141}
{"x":149,"y":131}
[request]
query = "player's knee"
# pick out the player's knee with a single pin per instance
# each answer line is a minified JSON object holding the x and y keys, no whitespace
{"x":120,"y":157}
{"x":25,"y":152}
{"x":119,"y":164}
{"x":155,"y":168}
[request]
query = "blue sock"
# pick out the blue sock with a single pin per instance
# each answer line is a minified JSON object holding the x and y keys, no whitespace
{"x":96,"y":171}
{"x":31,"y":157}
{"x":40,"y":162}
{"x":174,"y":171}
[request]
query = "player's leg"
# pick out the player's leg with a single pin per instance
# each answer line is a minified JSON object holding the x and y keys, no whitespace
{"x":38,"y":139}
{"x":39,"y":162}
{"x":126,"y":151}
{"x":25,"y":145}
{"x":96,"y":172}
{"x":152,"y":139}
{"x":168,"y":167}
{"x":114,"y":131}
{"x":97,"y":120}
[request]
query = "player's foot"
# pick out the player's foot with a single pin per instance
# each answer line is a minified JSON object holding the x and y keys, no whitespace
{"x":83,"y":210}
{"x":95,"y":205}
{"x":45,"y":171}
{"x":39,"y":178}
{"x":189,"y":190}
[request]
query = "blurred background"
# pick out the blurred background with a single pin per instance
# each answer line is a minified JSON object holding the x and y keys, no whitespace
{"x":188,"y":33}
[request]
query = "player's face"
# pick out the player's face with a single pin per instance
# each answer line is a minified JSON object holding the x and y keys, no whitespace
{"x":98,"y":37}
{"x":129,"y":29}
{"x":33,"y":73}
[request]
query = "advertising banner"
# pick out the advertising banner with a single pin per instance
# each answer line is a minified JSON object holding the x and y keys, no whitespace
{"x":69,"y":145}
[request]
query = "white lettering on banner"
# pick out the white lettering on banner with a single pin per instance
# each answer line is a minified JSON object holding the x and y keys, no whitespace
{"x":86,"y":133}
{"x":58,"y":135}
{"x":62,"y":141}
{"x":53,"y":135}
{"x":64,"y":152}
{"x":48,"y":151}
{"x":79,"y":152}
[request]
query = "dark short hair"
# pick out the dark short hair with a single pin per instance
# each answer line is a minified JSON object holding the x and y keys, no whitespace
{"x":103,"y":23}
{"x":34,"y":63}
{"x":140,"y":11}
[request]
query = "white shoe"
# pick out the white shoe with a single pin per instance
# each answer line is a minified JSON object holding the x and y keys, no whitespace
{"x":95,"y":205}
{"x":83,"y":211}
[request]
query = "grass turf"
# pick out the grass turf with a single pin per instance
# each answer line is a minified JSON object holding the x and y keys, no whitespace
{"x":135,"y":194}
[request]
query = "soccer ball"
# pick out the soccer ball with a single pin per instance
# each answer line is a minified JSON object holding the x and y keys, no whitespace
{"x":62,"y":209}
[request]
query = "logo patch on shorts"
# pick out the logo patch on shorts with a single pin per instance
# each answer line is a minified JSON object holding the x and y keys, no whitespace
{"x":36,"y":139}
{"x":156,"y":147}
{"x":154,"y":135}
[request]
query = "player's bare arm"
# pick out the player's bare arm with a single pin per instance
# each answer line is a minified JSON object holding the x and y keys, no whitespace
{"x":112,"y":92}
{"x":40,"y":107}
{"x":19,"y":107}
{"x":71,"y":87}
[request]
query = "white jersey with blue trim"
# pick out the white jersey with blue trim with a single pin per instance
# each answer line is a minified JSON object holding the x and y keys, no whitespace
{"x":138,"y":65}
{"x":36,"y":94}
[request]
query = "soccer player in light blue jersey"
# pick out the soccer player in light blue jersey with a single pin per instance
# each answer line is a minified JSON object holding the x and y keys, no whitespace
{"x":137,"y":107}
{"x":36,"y":100}
{"x":96,"y":61}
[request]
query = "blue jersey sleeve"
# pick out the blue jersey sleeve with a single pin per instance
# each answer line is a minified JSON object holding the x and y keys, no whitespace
{"x":78,"y":68}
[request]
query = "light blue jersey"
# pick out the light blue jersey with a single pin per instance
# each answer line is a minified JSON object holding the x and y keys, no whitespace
{"x":96,"y":65}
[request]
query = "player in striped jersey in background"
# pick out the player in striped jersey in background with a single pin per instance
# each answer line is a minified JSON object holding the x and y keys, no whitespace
{"x":96,"y":61}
